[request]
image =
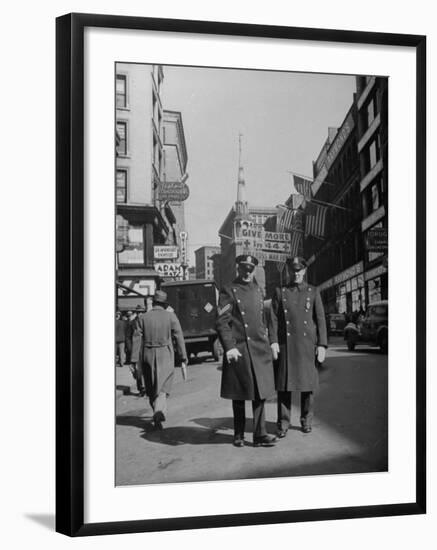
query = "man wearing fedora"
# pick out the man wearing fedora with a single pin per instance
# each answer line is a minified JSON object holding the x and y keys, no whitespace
{"x":247,"y":373}
{"x":297,"y":332}
{"x":133,"y":337}
{"x":159,"y":328}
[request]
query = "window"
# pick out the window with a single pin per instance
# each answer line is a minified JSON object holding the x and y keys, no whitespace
{"x":375,"y":197}
{"x":374,"y":290}
{"x":121,"y":186}
{"x":120,"y":91}
{"x":371,"y":112}
{"x":133,"y":252}
{"x":374,"y":255}
{"x":154,"y":106}
{"x":372,"y":154}
{"x":122,"y":137}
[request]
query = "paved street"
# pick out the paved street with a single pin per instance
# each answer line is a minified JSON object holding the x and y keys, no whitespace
{"x":349,"y":429}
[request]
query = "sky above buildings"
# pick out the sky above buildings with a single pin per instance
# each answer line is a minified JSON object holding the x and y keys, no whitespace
{"x":283,"y":117}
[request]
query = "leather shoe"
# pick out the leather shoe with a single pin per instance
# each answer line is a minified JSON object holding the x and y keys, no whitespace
{"x":158,"y":419}
{"x":238,"y":441}
{"x":282,"y":433}
{"x":306,"y":429}
{"x":265,"y":441}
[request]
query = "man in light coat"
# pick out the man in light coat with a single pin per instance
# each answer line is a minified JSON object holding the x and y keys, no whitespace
{"x":159,"y":328}
{"x":247,"y":362}
{"x":297,"y":332}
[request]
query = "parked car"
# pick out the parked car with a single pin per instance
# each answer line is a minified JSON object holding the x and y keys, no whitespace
{"x":335,"y":323}
{"x":195,"y":304}
{"x":371,"y":330}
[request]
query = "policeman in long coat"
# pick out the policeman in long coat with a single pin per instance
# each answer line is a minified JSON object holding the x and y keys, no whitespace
{"x":159,"y":328}
{"x":247,"y":362}
{"x":297,"y":332}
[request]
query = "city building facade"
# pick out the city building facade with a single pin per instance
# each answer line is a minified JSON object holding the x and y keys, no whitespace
{"x":372,"y":105}
{"x":336,"y":260}
{"x":350,"y":265}
{"x":142,"y":221}
{"x":205,"y":261}
{"x":175,"y":162}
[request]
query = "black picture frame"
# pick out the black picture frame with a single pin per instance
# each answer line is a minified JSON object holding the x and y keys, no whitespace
{"x":70,"y":273}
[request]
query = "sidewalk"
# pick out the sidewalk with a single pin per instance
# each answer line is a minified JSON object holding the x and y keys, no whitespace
{"x":124,"y":382}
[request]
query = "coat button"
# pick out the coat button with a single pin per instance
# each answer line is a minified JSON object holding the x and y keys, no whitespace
{"x":243,"y":313}
{"x":285,"y":310}
{"x":304,"y":333}
{"x":248,"y":337}
{"x":288,"y":322}
{"x":288,"y":334}
{"x":246,"y":325}
{"x":238,"y":300}
{"x":304,"y":322}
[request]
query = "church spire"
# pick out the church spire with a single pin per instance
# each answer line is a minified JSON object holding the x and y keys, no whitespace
{"x":241,"y":204}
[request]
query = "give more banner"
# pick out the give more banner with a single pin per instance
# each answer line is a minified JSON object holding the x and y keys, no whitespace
{"x":267,"y":241}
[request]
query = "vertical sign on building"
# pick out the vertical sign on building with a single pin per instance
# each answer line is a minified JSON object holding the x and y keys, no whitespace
{"x":184,"y":254}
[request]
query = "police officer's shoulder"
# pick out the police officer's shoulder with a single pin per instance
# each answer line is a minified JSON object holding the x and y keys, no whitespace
{"x":226,"y":290}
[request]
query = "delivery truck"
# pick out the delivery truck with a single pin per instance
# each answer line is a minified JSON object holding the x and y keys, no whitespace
{"x":195,"y":304}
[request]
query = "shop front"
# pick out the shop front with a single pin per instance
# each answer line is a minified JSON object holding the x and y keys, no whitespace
{"x":377,"y":284}
{"x":345,"y":293}
{"x":138,"y":230}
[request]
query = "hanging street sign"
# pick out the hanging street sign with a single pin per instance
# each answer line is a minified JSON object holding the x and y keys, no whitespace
{"x":167,"y":269}
{"x":377,"y":239}
{"x":277,"y":237}
{"x":275,"y":246}
{"x":165,"y":252}
{"x":276,"y":257}
{"x":248,"y":242}
{"x":175,"y":191}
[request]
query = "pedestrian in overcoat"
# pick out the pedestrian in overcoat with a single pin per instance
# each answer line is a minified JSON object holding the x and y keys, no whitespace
{"x":133,"y":344}
{"x":120,"y":340}
{"x":159,"y":329}
{"x":247,"y":372}
{"x":297,"y":333}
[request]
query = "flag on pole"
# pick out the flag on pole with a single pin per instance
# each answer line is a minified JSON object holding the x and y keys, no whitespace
{"x":284,"y":218}
{"x":303,"y":186}
{"x":295,"y":201}
{"x":295,"y":242}
{"x":315,"y":219}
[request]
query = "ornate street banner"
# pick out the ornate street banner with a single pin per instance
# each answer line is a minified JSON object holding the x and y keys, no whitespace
{"x":175,"y":191}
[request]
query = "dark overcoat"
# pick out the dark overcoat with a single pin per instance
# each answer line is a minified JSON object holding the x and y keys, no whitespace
{"x":240,"y":324}
{"x":159,"y":328}
{"x":297,"y":323}
{"x":134,"y":339}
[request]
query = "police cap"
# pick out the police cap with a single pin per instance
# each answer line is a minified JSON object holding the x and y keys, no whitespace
{"x":246,"y":259}
{"x":297,"y":263}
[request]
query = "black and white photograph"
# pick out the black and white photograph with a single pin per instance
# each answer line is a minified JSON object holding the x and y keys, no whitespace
{"x":251,"y":270}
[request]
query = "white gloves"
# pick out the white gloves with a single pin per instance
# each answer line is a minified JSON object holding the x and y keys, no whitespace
{"x":275,"y":350}
{"x":233,"y":355}
{"x":321,"y":353}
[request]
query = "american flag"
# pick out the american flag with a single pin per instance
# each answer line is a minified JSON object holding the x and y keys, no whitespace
{"x":284,"y":218}
{"x":303,"y":186}
{"x":295,"y":242}
{"x":315,"y":219}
